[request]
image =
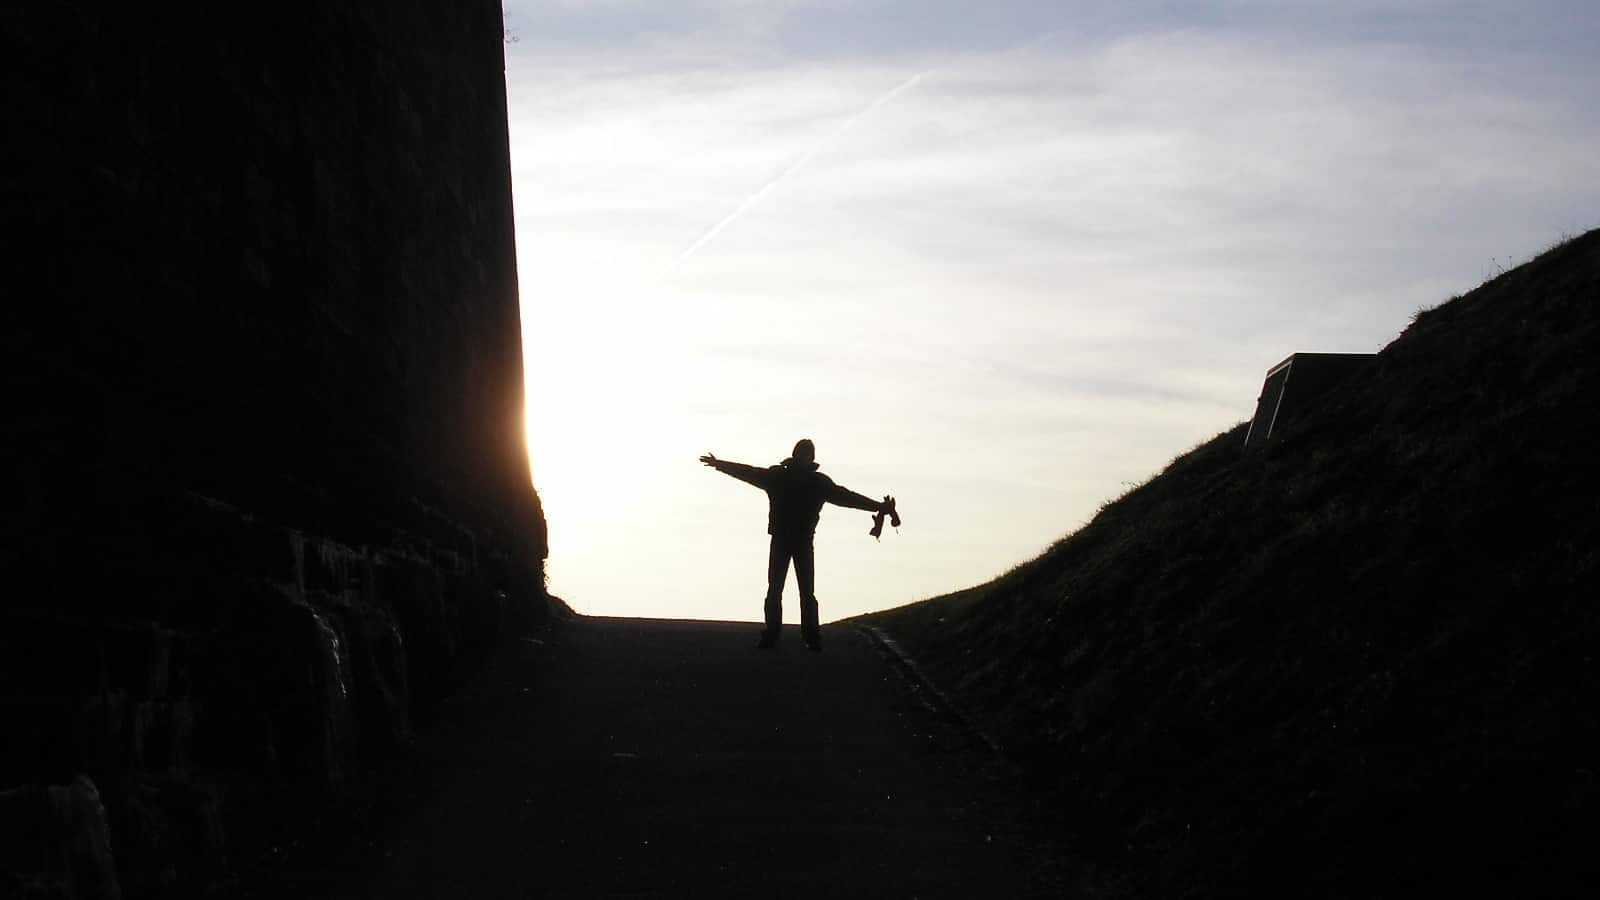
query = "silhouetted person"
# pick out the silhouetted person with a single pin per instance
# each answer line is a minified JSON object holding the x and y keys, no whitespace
{"x":795,"y":494}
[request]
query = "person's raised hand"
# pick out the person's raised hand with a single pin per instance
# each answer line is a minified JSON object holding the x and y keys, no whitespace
{"x":709,"y":459}
{"x":888,"y":506}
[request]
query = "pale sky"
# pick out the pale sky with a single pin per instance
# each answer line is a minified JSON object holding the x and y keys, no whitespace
{"x":1002,"y":260}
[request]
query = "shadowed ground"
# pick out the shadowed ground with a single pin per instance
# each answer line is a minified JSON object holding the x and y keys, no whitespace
{"x":654,"y":759}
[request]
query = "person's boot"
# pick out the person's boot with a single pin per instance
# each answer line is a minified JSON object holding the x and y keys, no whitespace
{"x":768,"y":641}
{"x":813,"y":641}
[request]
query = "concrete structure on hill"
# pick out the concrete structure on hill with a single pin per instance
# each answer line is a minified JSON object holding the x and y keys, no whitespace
{"x":265,"y":429}
{"x":1292,"y":386}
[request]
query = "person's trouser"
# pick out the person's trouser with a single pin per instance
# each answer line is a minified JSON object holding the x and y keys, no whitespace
{"x":800,"y":550}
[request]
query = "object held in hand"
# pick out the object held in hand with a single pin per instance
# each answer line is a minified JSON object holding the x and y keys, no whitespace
{"x":877,"y":517}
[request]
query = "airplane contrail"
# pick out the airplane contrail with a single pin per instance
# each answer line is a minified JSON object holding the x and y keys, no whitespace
{"x":793,"y":167}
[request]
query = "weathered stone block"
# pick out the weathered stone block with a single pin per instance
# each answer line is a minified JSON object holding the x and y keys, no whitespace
{"x":54,"y":842}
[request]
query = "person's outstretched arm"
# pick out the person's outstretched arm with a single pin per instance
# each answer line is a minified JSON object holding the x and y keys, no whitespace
{"x":839,"y":495}
{"x":748,"y":474}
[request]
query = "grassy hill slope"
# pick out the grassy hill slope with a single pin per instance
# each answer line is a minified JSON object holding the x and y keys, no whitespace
{"x":1358,"y":662}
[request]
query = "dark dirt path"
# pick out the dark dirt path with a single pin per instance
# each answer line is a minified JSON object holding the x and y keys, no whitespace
{"x":662,"y":759}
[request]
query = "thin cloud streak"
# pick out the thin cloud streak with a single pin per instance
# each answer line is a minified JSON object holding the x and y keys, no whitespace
{"x":761,"y":192}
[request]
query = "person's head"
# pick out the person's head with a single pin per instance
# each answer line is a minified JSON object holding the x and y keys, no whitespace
{"x":804,"y":451}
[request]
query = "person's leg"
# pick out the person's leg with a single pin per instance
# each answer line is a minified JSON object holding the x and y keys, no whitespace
{"x":805,"y":572}
{"x":777,"y":574}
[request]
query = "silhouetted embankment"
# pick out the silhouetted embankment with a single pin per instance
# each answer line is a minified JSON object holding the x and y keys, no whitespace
{"x":1359,"y":661}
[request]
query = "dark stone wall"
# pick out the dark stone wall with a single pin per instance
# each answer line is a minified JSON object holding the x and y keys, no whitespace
{"x":266,"y":476}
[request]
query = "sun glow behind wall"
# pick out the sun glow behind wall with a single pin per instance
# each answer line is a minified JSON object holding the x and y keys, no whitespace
{"x":1003,"y":283}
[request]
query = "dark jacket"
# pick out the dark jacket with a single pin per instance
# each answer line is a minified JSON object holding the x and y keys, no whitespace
{"x":795,"y":494}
